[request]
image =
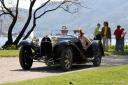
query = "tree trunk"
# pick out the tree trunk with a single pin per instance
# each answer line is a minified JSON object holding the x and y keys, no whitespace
{"x":30,"y":31}
{"x":23,"y":31}
{"x":10,"y":39}
{"x":26,"y":24}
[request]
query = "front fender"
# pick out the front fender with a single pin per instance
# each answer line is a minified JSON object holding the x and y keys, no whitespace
{"x":36,"y":48}
{"x":23,"y":43}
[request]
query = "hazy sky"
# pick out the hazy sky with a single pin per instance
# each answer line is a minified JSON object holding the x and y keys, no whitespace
{"x":25,"y":3}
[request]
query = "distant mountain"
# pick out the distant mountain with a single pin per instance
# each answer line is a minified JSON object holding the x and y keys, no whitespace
{"x":97,"y":11}
{"x":113,"y":11}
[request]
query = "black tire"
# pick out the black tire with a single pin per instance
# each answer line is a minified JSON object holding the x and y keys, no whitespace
{"x":66,"y":59}
{"x":25,"y":57}
{"x":97,"y":58}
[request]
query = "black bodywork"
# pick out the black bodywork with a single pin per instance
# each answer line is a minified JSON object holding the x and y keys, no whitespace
{"x":60,"y":50}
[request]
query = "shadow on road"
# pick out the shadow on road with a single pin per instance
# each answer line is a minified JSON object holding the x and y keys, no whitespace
{"x":55,"y":69}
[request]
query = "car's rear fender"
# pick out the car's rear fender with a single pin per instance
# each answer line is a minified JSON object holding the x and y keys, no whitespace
{"x":92,"y":49}
{"x":95,"y":45}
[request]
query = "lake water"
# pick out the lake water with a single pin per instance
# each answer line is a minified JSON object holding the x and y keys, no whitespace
{"x":3,"y":39}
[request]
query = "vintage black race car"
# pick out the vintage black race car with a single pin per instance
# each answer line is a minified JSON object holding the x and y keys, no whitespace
{"x":59,"y":50}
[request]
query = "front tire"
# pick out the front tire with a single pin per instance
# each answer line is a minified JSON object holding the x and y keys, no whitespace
{"x":66,"y":59}
{"x":25,"y":57}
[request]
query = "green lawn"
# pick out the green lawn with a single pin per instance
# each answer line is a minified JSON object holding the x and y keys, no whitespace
{"x":112,"y":52}
{"x":99,"y":76}
{"x":9,"y":53}
{"x":14,"y":53}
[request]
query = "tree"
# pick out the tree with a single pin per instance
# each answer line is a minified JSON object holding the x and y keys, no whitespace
{"x":14,"y":14}
{"x":65,"y":5}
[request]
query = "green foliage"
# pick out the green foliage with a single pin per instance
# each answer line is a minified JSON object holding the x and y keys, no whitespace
{"x":111,"y":47}
{"x":112,"y":51}
{"x":10,"y":47}
{"x":98,"y":76}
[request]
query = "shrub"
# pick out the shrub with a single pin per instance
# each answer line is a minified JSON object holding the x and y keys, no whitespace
{"x":112,"y":47}
{"x":10,"y":47}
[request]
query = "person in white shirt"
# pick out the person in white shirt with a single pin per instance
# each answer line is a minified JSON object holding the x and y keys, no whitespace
{"x":64,"y":30}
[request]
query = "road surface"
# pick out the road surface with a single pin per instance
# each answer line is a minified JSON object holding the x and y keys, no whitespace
{"x":10,"y":70}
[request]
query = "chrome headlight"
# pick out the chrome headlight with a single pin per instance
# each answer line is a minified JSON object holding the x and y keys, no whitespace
{"x":54,"y":40}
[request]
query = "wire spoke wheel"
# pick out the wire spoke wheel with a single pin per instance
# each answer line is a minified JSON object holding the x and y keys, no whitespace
{"x":66,"y":61}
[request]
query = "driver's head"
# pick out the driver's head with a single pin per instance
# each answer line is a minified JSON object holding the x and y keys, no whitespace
{"x":64,"y":30}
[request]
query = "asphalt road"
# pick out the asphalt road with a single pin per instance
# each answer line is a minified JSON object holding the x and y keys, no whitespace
{"x":10,"y":70}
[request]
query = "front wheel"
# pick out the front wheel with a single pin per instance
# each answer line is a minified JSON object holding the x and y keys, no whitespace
{"x":66,"y":59}
{"x":25,"y":57}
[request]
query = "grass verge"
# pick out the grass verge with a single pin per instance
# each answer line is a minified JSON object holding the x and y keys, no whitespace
{"x":9,"y":53}
{"x":112,"y":51}
{"x":100,"y":76}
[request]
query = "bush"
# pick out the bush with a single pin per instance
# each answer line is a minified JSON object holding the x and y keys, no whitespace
{"x":112,"y":47}
{"x":10,"y":47}
{"x":1,"y":48}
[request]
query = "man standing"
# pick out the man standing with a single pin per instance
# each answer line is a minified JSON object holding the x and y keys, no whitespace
{"x":106,"y":35}
{"x":117,"y":34}
{"x":97,"y":32}
{"x":123,"y":33}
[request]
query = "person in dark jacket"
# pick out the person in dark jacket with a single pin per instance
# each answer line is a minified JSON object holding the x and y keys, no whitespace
{"x":106,"y":35}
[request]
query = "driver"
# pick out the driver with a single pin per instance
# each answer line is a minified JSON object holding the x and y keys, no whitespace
{"x":64,"y":30}
{"x":85,"y":42}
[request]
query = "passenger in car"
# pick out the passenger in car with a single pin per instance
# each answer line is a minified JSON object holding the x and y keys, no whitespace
{"x":85,"y":42}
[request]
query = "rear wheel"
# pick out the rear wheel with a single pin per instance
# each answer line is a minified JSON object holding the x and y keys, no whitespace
{"x":97,"y":58}
{"x":66,"y":59}
{"x":25,"y":57}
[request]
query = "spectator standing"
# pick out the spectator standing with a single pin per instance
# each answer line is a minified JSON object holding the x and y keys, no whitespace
{"x":117,"y":34}
{"x":123,"y":33}
{"x":106,"y":35}
{"x":97,"y":33}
